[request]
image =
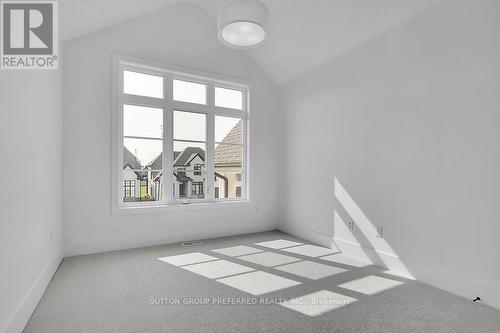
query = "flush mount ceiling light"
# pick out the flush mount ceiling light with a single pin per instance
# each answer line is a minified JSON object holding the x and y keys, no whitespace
{"x":242,"y":24}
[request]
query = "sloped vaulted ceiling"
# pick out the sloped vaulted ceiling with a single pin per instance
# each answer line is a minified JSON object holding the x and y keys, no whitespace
{"x":302,"y":33}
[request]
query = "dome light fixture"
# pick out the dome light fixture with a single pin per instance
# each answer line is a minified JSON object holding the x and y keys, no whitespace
{"x":242,"y":24}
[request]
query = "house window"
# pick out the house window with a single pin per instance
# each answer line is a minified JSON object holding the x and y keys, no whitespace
{"x":129,"y":189}
{"x":183,"y":131}
{"x":197,"y":169}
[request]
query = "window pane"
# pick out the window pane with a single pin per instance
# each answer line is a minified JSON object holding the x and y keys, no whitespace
{"x":189,"y":126}
{"x":185,"y":91}
{"x":228,"y":98}
{"x":228,"y":184}
{"x":179,"y":146}
{"x":129,"y":187}
{"x":142,"y":153}
{"x":228,"y":130}
{"x":142,"y":84}
{"x":142,"y":121}
{"x":142,"y":186}
{"x":189,"y":171}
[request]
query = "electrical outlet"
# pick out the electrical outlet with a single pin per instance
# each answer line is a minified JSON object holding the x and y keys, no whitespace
{"x":380,"y":231}
{"x":350,"y":224}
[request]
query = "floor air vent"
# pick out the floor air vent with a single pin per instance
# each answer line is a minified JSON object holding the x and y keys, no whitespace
{"x":191,"y":243}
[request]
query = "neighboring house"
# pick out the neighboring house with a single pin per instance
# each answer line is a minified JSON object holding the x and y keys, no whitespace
{"x":227,"y":158}
{"x":134,"y":180}
{"x":155,"y":181}
{"x":146,"y":183}
{"x":189,"y":172}
{"x":189,"y":175}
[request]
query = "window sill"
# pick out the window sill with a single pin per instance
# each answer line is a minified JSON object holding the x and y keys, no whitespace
{"x":178,"y":207}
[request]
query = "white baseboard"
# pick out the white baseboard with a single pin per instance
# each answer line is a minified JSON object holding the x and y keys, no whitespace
{"x":438,"y":277}
{"x":453,"y":282}
{"x":308,"y":235}
{"x":75,"y":248}
{"x":24,"y":309}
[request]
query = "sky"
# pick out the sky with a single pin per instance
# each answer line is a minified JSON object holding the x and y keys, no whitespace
{"x":146,"y":122}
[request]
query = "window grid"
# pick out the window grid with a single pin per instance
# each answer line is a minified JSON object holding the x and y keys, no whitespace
{"x":168,"y":104}
{"x":129,"y":188}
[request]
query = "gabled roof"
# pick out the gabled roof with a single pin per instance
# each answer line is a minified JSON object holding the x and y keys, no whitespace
{"x":186,"y":156}
{"x":179,"y":160}
{"x":155,"y":164}
{"x":131,"y":160}
{"x":235,"y":135}
{"x":230,"y":154}
{"x":191,"y":158}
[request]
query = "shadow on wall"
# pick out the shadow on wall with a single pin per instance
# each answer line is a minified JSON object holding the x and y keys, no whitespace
{"x":363,"y":242}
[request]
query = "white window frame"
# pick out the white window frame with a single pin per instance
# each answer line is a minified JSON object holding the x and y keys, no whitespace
{"x":170,"y":73}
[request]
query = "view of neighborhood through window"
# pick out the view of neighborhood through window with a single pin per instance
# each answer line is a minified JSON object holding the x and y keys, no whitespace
{"x":150,"y":118}
{"x":142,"y":144}
{"x":228,"y":156}
{"x":189,"y":154}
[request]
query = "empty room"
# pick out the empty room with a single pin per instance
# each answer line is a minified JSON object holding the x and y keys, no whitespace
{"x":250,"y":166}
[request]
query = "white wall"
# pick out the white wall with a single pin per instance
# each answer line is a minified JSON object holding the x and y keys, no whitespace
{"x":182,"y":35}
{"x":31,"y":190}
{"x":408,"y":124}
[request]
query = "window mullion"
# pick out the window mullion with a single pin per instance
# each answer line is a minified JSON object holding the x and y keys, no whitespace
{"x":168,"y":143}
{"x":210,"y":169}
{"x":119,"y":130}
{"x":246,"y":147}
{"x":227,"y":168}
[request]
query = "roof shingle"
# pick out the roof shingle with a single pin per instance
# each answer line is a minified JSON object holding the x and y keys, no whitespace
{"x":229,"y":151}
